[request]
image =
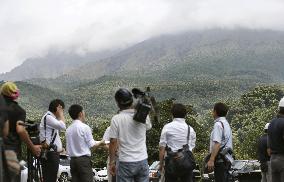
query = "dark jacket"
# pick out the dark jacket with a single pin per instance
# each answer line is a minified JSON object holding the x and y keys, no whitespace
{"x":263,"y":156}
{"x":3,"y":114}
{"x":262,"y":149}
{"x":276,"y":135}
{"x":16,"y":113}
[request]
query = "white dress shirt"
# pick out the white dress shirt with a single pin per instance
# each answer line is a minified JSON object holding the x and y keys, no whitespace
{"x":51,"y":124}
{"x":79,"y":139}
{"x":174,"y":135}
{"x":219,"y":131}
{"x":106,"y":137}
{"x":131,"y":136}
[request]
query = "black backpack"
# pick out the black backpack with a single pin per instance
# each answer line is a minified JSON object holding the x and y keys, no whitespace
{"x":180,"y":162}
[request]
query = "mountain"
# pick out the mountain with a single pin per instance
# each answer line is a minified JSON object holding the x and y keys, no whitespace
{"x":52,"y":65}
{"x":210,"y":53}
{"x":197,"y":68}
{"x":218,"y":53}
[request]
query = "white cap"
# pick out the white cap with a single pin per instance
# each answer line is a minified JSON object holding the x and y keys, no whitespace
{"x":281,"y":103}
{"x":266,"y":126}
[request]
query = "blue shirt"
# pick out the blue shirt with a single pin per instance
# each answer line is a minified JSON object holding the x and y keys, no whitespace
{"x":221,"y":135}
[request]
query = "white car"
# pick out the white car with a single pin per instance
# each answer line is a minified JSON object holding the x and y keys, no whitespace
{"x":64,"y":173}
{"x":24,"y":174}
{"x":100,"y":175}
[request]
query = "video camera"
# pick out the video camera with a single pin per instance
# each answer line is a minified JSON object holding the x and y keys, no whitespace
{"x":144,"y":105}
{"x":33,"y":130}
{"x":31,"y":126}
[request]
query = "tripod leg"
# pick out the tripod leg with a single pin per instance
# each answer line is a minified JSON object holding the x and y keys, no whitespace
{"x":40,"y":171}
{"x":30,"y":164}
{"x":1,"y":161}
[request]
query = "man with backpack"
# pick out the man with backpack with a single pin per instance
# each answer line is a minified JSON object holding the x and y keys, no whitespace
{"x":220,"y":142}
{"x":176,"y":143}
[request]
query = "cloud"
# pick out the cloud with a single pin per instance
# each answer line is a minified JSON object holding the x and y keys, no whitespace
{"x":31,"y":28}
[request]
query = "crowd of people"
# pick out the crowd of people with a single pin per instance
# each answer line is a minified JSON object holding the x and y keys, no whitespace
{"x":125,"y":139}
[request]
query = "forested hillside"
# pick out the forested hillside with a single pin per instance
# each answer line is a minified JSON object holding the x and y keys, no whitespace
{"x":240,"y":67}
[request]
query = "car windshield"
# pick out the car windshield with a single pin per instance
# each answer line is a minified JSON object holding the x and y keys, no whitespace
{"x":239,"y":165}
{"x":246,"y":166}
{"x":64,"y":162}
{"x":154,"y":165}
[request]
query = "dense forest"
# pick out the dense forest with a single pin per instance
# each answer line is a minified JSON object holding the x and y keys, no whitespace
{"x":248,"y":114}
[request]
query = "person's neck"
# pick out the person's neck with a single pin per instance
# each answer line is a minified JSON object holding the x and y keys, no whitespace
{"x":80,"y":119}
{"x":123,"y":109}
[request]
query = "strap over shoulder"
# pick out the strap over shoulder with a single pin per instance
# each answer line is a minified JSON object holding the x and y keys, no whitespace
{"x":188,"y":133}
{"x":53,"y":136}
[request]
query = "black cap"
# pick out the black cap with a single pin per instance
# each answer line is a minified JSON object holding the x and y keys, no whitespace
{"x":123,"y":97}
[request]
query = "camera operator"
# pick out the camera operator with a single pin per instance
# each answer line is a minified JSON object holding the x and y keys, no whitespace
{"x":17,"y":132}
{"x":132,"y":164}
{"x":51,"y":124}
{"x":4,"y":130}
{"x":4,"y":122}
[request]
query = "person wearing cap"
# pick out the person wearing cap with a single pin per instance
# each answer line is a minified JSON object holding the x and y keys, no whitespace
{"x":4,"y":131}
{"x":132,"y":164}
{"x":264,"y":157}
{"x":4,"y":122}
{"x":16,"y":117}
{"x":276,"y":144}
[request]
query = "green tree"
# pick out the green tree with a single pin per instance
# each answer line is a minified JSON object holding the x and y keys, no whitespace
{"x":249,"y":116}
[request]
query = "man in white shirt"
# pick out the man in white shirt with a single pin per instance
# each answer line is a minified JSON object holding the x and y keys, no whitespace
{"x":106,"y":138}
{"x":79,"y":141}
{"x":174,"y":137}
{"x":132,"y":162}
{"x":51,"y":124}
{"x":221,"y":136}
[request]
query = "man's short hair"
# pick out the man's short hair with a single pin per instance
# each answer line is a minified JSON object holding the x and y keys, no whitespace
{"x":221,"y":109}
{"x":281,"y":110}
{"x":54,"y":104}
{"x":178,"y":111}
{"x":74,"y":111}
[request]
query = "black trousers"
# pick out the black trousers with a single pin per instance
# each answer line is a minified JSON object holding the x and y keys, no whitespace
{"x":221,"y":172}
{"x":50,"y":167}
{"x":188,"y":177}
{"x":81,"y":169}
{"x":277,"y":167}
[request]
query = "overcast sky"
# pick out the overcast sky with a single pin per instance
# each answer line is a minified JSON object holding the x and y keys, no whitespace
{"x":30,"y":28}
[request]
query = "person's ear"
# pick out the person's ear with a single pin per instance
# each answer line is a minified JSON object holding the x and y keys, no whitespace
{"x":214,"y":113}
{"x":81,"y":114}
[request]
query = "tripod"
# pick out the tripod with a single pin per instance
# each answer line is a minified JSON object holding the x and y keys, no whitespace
{"x":34,"y":165}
